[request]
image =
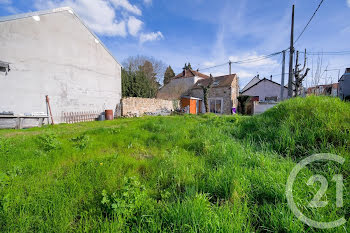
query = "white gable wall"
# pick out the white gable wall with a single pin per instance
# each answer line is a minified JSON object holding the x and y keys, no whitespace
{"x":59,"y":57}
{"x":266,"y":89}
{"x":251,"y":83}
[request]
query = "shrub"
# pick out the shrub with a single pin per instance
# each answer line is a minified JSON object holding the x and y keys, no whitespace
{"x":5,"y":146}
{"x":130,"y":204}
{"x":81,"y":142}
{"x":48,"y":142}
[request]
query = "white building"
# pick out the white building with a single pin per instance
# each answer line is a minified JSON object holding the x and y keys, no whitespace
{"x":264,"y":90}
{"x":54,"y":53}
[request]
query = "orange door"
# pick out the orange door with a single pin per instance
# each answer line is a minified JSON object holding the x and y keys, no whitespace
{"x":193,"y":106}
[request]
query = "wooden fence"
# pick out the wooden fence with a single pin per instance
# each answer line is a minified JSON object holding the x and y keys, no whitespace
{"x":75,"y":117}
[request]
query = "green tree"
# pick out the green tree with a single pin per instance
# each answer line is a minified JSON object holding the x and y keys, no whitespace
{"x":137,"y":84}
{"x":168,"y":75}
{"x":141,"y":76}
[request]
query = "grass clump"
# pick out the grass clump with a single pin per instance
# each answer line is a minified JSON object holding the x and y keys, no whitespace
{"x":300,"y":127}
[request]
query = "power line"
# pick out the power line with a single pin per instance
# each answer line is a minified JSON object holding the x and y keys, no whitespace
{"x":309,"y":21}
{"x":335,"y":53}
{"x":250,"y":60}
{"x":257,"y":58}
{"x":213,"y":66}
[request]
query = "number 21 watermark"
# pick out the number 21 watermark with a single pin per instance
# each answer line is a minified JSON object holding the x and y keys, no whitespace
{"x":316,"y":201}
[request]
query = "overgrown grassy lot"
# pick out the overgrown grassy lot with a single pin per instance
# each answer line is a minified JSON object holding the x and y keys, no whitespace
{"x":174,"y":174}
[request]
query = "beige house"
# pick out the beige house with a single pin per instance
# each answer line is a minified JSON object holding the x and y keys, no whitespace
{"x":188,"y":87}
{"x":222,"y":94}
{"x":180,"y":84}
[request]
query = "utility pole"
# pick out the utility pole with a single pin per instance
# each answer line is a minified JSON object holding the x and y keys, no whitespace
{"x":230,"y":63}
{"x":291,"y":52}
{"x":283,"y":72}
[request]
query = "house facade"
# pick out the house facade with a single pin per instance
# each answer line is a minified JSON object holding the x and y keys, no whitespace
{"x":329,"y":90}
{"x":264,"y":90}
{"x":222,"y":95}
{"x":188,"y":88}
{"x":180,"y":84}
{"x":54,"y":53}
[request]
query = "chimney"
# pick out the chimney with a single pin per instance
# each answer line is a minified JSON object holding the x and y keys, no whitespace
{"x":347,"y":70}
{"x":271,"y":77}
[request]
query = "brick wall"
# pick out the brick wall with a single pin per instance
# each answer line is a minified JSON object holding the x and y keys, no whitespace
{"x":135,"y":107}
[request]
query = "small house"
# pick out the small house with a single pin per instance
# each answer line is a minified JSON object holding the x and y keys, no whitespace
{"x":180,"y":84}
{"x":264,"y":90}
{"x":260,"y":95}
{"x":222,"y":93}
{"x":327,"y":90}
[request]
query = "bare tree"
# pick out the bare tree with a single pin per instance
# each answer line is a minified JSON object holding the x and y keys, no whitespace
{"x":134,"y":63}
{"x":316,"y":74}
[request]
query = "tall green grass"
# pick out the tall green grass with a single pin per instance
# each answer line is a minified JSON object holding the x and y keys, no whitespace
{"x":301,"y":126}
{"x":168,"y":174}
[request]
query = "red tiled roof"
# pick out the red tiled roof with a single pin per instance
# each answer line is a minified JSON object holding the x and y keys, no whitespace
{"x":190,"y":73}
{"x":221,"y":81}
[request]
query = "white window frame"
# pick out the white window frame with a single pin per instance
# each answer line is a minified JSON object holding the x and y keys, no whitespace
{"x":216,"y":99}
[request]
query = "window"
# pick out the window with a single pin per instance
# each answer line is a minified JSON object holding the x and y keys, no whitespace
{"x":215,"y":105}
{"x":216,"y":83}
{"x":271,"y":98}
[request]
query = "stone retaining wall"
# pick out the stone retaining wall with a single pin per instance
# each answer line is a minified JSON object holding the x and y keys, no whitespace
{"x":136,"y":107}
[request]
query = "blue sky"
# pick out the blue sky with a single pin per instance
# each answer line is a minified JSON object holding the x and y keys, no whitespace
{"x":210,"y":32}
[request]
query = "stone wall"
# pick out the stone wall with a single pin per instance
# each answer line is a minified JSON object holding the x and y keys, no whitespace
{"x":135,"y":107}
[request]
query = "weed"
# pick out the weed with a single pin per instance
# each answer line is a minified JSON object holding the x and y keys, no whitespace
{"x":48,"y":142}
{"x":81,"y":142}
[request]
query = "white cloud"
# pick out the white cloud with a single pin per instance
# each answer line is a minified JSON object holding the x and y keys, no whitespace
{"x":105,"y":17}
{"x":147,"y":2}
{"x":127,"y":6}
{"x":208,"y":64}
{"x":134,"y":25}
{"x":256,"y":60}
{"x":345,"y":30}
{"x":215,"y":74}
{"x":144,"y":37}
{"x":244,"y":74}
{"x":99,"y":15}
{"x":348,"y":3}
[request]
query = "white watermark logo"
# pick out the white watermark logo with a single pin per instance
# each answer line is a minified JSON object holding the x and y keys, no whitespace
{"x":316,"y":201}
